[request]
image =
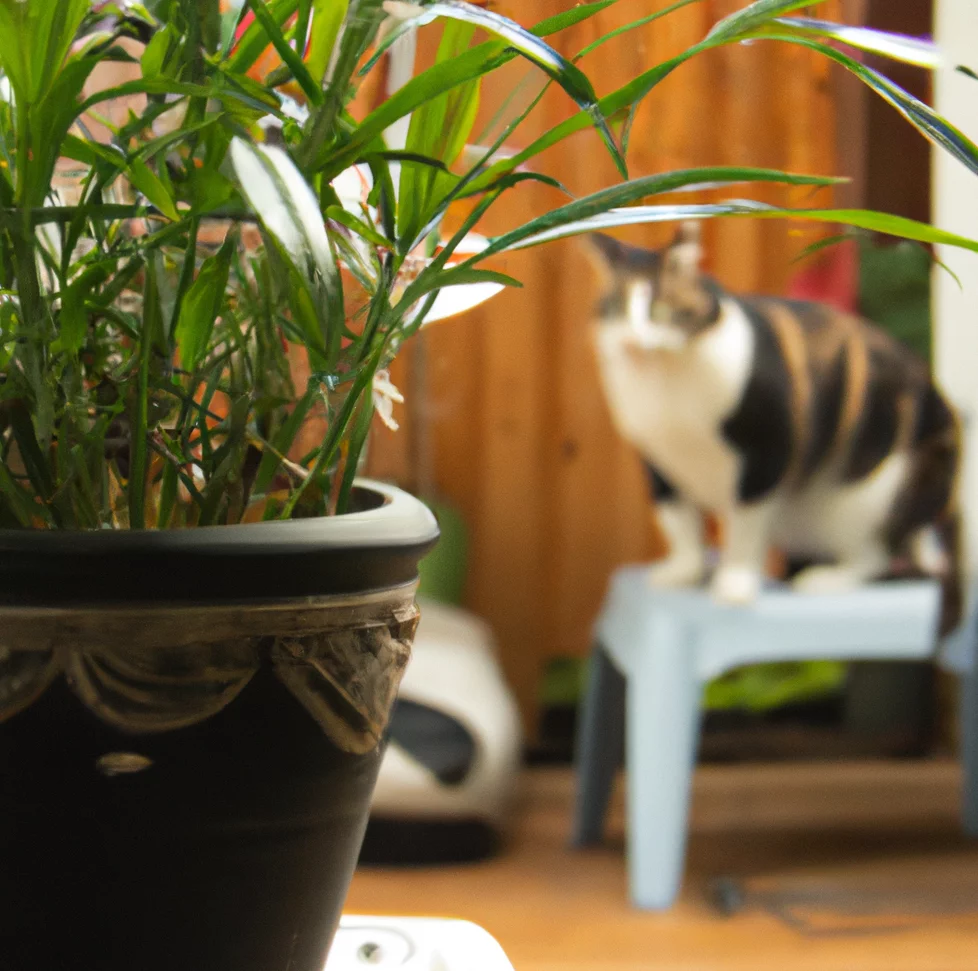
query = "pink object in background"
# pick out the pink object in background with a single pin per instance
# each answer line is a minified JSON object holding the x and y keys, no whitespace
{"x":830,"y":277}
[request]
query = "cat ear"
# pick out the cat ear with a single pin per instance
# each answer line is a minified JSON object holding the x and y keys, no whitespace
{"x":606,"y":254}
{"x":689,"y":231}
{"x":686,"y":251}
{"x":606,"y":248}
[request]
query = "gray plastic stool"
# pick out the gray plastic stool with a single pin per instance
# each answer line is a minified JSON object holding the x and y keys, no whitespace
{"x":660,"y":647}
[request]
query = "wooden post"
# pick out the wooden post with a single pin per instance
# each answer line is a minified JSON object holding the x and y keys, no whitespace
{"x":955,"y":208}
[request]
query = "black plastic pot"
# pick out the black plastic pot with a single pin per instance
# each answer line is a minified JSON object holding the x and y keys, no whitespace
{"x":184,"y":782}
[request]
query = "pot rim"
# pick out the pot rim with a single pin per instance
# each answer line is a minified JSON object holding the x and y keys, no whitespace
{"x":399,"y":519}
{"x":373,"y":549}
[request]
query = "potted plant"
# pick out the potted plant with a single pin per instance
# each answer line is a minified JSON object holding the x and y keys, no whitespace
{"x":203,"y":612}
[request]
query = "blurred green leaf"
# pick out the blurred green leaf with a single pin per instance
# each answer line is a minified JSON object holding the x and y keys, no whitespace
{"x":255,"y":40}
{"x":921,"y":116}
{"x":530,"y":46}
{"x":290,"y":57}
{"x":327,"y":18}
{"x":638,"y":215}
{"x":439,"y":129}
{"x":919,"y":51}
{"x":202,"y":305}
{"x":605,"y":206}
{"x":149,"y":184}
{"x":754,"y":15}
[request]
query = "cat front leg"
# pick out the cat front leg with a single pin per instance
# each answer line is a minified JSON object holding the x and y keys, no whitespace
{"x":685,"y":563}
{"x":681,"y":524}
{"x":740,"y":574}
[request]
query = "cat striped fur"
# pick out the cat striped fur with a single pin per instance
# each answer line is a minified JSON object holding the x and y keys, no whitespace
{"x":800,"y":427}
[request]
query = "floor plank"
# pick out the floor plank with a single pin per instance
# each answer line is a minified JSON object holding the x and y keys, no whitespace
{"x":856,"y":867}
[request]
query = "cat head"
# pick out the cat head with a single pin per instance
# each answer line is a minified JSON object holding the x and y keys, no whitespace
{"x":662,"y":293}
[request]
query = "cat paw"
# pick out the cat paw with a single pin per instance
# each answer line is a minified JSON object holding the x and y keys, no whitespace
{"x":826,"y":579}
{"x":679,"y":571}
{"x":737,"y":585}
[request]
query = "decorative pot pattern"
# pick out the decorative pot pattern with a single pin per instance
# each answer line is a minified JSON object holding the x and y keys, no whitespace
{"x":158,"y":669}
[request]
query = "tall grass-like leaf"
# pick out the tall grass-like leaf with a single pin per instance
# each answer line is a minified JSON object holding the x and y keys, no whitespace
{"x":327,"y":18}
{"x":202,"y":304}
{"x":927,"y":121}
{"x":283,"y":201}
{"x":634,"y":25}
{"x":16,"y":45}
{"x":626,"y":98}
{"x":357,"y":31}
{"x":289,"y":210}
{"x":633,"y":190}
{"x":754,"y":15}
{"x":255,"y":41}
{"x":429,"y":84}
{"x":57,"y":23}
{"x":530,"y":46}
{"x":572,"y":17}
{"x":876,"y":222}
{"x":291,"y":58}
{"x":918,"y":51}
{"x":35,"y":37}
{"x":439,"y":130}
{"x":150,"y":185}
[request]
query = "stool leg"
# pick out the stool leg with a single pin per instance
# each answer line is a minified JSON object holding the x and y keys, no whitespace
{"x":599,"y":744}
{"x":969,"y":750}
{"x":663,"y":717}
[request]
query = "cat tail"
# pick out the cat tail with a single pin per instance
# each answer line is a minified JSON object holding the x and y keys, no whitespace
{"x":926,"y":521}
{"x":950,"y":533}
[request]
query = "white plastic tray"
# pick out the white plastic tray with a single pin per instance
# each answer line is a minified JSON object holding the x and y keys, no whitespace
{"x":414,"y":944}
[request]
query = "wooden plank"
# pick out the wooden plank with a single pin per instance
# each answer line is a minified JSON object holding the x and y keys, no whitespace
{"x":522,"y":442}
{"x":872,"y":850}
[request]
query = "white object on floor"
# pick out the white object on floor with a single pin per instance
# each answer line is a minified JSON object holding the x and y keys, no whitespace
{"x":414,"y":944}
{"x":454,"y":671}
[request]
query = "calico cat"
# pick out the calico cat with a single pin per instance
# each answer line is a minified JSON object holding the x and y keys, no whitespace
{"x":799,"y":427}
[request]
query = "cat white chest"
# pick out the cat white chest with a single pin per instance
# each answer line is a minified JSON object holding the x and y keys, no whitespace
{"x":671,"y":404}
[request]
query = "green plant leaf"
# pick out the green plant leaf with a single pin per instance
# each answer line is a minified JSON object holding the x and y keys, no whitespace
{"x":37,"y":464}
{"x":754,"y":15}
{"x":156,"y":51}
{"x":201,"y":306}
{"x":898,"y":47}
{"x":327,"y":18}
{"x":35,"y":37}
{"x":634,"y":25}
{"x":572,"y":17}
{"x":255,"y":40}
{"x":149,"y":184}
{"x":54,"y":25}
{"x":359,"y":27}
{"x":530,"y":46}
{"x":284,"y":203}
{"x":457,"y":276}
{"x":823,"y":244}
{"x":927,"y":121}
{"x":290,"y":57}
{"x":423,"y":87}
{"x":630,"y":94}
{"x":614,"y":198}
{"x":16,"y":43}
{"x":439,"y":129}
{"x":358,"y":226}
{"x":876,"y":222}
{"x":19,"y":500}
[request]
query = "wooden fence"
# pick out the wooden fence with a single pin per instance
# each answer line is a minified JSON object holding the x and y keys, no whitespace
{"x":515,"y":431}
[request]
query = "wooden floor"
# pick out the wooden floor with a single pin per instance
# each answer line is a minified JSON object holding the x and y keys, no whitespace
{"x":842,"y":868}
